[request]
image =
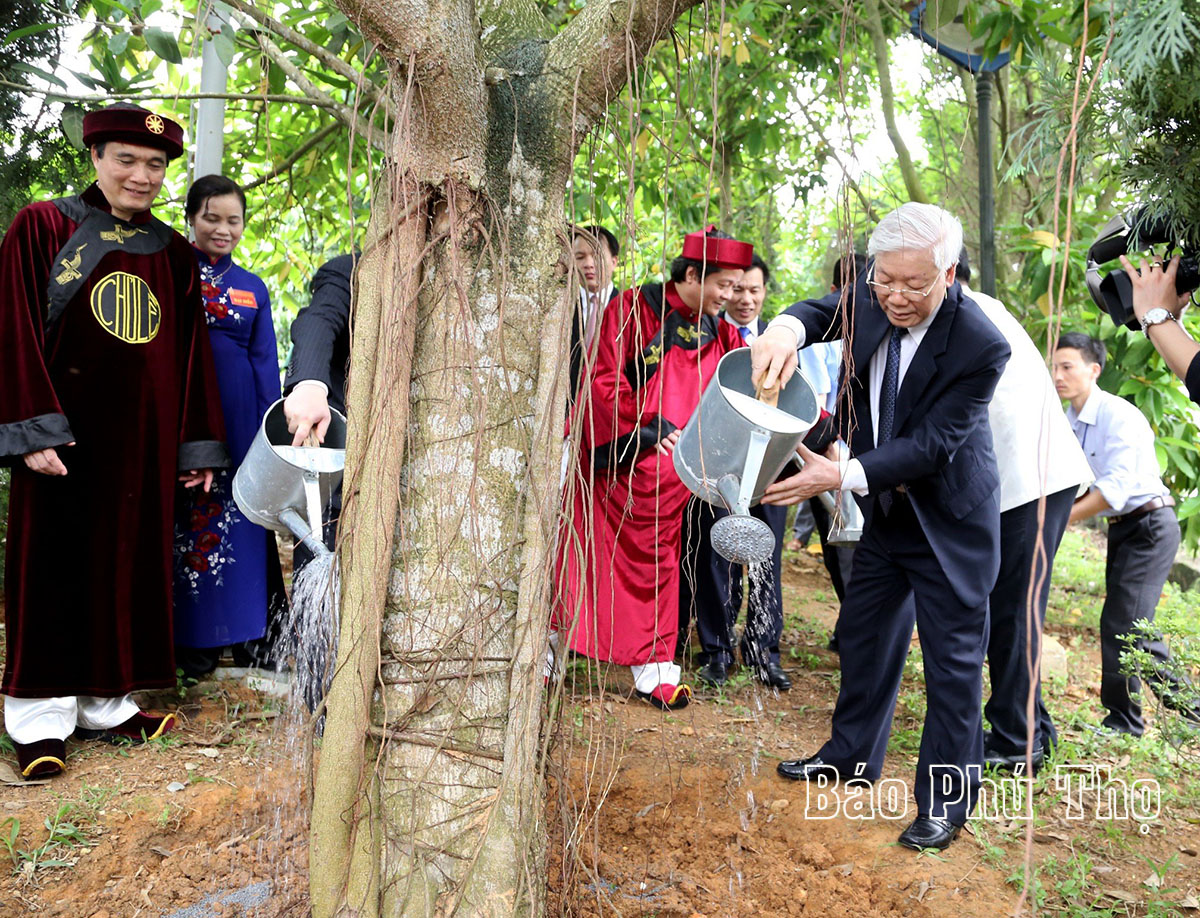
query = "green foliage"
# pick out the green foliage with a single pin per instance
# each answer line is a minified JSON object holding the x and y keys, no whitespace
{"x":1178,"y":622}
{"x":33,"y":150}
{"x":308,"y":181}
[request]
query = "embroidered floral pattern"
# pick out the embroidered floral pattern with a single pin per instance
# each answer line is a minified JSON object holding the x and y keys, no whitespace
{"x":201,"y":546}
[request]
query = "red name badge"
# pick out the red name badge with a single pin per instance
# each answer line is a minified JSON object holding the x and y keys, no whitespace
{"x":243,"y":298}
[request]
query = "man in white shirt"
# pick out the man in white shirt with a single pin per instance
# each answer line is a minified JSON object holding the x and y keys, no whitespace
{"x":1037,"y":456}
{"x":1143,"y":534}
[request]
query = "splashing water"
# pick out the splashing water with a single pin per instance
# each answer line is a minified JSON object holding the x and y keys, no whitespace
{"x":309,"y":639}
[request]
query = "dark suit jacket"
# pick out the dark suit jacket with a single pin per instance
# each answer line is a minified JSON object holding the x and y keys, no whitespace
{"x":942,"y":446}
{"x":321,"y":332}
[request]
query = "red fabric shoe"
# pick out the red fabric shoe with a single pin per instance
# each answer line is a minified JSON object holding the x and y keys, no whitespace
{"x":42,"y":759}
{"x":142,"y":727}
{"x":668,"y":697}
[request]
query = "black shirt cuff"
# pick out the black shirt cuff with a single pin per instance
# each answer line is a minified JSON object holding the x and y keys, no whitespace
{"x":42,"y":432}
{"x":203,"y":454}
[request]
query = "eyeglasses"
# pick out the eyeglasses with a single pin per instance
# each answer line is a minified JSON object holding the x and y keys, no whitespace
{"x":883,"y":290}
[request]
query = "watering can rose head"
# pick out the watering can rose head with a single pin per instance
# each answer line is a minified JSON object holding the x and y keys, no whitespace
{"x":708,"y":269}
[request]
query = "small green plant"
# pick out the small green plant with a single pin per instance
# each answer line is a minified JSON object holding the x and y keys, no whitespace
{"x":171,"y":816}
{"x":61,"y":836}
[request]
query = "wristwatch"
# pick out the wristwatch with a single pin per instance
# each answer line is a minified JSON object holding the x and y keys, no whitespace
{"x":1155,"y":316}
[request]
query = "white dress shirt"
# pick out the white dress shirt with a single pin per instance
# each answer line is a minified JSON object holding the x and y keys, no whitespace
{"x":1119,"y":444}
{"x":853,"y":476}
{"x":1036,"y":450}
{"x":603,"y":295}
{"x":747,"y":332}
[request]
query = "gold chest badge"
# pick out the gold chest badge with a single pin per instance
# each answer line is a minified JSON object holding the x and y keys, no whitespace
{"x":126,"y":308}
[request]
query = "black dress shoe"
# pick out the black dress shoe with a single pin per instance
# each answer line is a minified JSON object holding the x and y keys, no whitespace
{"x":809,"y":769}
{"x":773,"y":675}
{"x":715,"y":673}
{"x":1011,"y":763}
{"x":929,"y":832}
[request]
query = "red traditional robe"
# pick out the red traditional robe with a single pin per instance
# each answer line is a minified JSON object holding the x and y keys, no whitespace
{"x":618,"y":570}
{"x":126,"y":372}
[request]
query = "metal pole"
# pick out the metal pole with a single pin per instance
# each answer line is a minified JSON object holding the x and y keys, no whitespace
{"x":210,"y":113}
{"x":987,"y":201}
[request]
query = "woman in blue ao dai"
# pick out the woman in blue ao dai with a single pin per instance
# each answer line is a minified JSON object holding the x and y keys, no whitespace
{"x":227,"y":568}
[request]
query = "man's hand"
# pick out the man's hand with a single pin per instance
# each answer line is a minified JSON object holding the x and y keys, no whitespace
{"x":307,"y":409}
{"x":666,"y":445}
{"x":1153,"y":287}
{"x":819,"y":474}
{"x":46,"y":461}
{"x":773,"y":357}
{"x":193,"y":477}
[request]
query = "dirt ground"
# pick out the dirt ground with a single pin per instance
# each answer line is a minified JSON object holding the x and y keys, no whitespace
{"x":650,"y":814}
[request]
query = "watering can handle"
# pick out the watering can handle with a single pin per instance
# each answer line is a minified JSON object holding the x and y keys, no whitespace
{"x":825,"y":497}
{"x":768,"y":396}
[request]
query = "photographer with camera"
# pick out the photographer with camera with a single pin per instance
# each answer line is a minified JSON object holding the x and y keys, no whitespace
{"x":1159,"y":310}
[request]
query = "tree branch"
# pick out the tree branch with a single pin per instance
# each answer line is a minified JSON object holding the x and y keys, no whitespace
{"x":56,"y":96}
{"x":887,"y":97}
{"x":815,"y":127}
{"x":505,"y":21}
{"x":368,"y":89}
{"x":434,"y":46}
{"x":294,"y":157}
{"x":347,"y":115}
{"x":601,"y":46}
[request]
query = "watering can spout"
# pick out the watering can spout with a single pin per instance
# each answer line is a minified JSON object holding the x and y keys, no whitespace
{"x":304,"y":533}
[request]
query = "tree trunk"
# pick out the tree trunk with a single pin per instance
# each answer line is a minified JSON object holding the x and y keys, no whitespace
{"x":429,"y":797}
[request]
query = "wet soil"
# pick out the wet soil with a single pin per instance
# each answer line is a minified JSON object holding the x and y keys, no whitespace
{"x":649,"y":813}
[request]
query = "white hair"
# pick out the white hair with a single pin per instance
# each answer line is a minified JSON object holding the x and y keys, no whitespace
{"x":919,"y":226}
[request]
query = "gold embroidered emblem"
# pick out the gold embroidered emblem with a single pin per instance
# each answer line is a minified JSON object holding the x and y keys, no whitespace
{"x":653,"y":354}
{"x":154,"y":124}
{"x":688,"y":333}
{"x":126,"y":308}
{"x":119,"y":234}
{"x":70,"y":270}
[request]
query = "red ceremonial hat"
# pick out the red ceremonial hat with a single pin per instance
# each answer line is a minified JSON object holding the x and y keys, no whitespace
{"x":720,"y":253}
{"x":131,"y":124}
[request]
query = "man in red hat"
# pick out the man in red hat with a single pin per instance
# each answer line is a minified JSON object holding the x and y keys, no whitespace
{"x":107,"y":398}
{"x":618,"y":572}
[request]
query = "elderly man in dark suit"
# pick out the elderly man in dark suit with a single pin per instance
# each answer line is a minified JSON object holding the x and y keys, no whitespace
{"x":926,"y":361}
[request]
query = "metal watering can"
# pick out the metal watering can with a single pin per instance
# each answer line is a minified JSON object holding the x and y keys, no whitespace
{"x":734,"y":446}
{"x":285,"y":487}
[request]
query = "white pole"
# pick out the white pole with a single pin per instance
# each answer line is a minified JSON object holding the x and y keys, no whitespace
{"x":210,"y":113}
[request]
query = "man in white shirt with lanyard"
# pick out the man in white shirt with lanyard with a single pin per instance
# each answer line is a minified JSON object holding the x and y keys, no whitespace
{"x":1143,"y":534}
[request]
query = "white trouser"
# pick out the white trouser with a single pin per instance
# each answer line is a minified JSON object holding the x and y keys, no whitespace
{"x":31,"y":719}
{"x":649,"y":677}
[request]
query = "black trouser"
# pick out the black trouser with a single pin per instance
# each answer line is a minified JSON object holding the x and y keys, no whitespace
{"x":710,"y":587}
{"x":1021,"y":563}
{"x":1140,"y":554}
{"x":898,"y":578}
{"x":838,"y":561}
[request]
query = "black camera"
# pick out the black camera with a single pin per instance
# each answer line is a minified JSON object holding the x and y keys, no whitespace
{"x":1114,"y":293}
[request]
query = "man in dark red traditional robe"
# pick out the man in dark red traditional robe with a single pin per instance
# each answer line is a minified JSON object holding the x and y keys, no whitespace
{"x":656,"y":350}
{"x":107,"y":396}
